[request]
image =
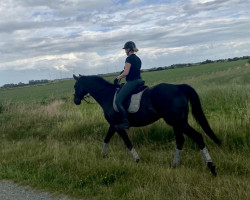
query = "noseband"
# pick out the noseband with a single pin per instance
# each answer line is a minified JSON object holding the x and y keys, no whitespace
{"x":84,"y":98}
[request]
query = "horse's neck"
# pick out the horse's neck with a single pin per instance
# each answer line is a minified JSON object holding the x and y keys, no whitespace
{"x":103,"y":95}
{"x":102,"y":98}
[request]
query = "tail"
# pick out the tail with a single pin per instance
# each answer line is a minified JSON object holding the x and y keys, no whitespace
{"x":198,"y":112}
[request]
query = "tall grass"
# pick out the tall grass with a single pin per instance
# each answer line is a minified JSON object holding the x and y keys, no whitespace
{"x":49,"y":143}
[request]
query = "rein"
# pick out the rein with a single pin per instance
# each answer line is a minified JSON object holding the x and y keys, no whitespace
{"x":85,"y":99}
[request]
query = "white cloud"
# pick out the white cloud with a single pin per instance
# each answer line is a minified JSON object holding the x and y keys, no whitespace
{"x":61,"y":68}
{"x":133,"y":2}
{"x":89,"y":35}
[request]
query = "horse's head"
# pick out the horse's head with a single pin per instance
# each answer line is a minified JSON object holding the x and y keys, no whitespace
{"x":80,"y":91}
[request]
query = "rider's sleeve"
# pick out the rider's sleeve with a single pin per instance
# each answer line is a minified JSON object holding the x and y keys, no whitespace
{"x":128,"y":60}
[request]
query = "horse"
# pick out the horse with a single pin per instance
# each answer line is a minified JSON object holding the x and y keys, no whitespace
{"x":167,"y":101}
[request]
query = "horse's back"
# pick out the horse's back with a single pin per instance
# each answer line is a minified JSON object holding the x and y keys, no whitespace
{"x":169,"y":100}
{"x":166,"y":92}
{"x":161,"y":101}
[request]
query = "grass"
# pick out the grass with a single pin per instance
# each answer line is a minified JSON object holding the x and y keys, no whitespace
{"x":51,"y":144}
{"x":41,"y":94}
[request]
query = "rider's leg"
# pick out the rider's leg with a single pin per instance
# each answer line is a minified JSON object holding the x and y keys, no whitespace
{"x":125,"y":91}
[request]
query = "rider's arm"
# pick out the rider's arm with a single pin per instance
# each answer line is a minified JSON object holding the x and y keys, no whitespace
{"x":125,"y":72}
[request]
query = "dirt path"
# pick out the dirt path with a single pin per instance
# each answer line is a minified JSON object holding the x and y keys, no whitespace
{"x":12,"y":191}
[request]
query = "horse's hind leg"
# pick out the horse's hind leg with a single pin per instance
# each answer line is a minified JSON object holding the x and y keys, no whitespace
{"x":197,"y":137}
{"x":178,"y":131}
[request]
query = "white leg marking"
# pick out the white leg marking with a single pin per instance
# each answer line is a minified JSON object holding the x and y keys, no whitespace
{"x":135,"y":155}
{"x":104,"y":149}
{"x":177,"y":157}
{"x":206,"y":157}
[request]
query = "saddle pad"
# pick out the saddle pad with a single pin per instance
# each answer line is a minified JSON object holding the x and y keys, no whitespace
{"x":134,"y":104}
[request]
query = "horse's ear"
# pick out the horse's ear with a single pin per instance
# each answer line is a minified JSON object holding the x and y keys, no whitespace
{"x":75,"y":77}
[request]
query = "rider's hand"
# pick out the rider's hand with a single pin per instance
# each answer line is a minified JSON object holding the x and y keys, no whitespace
{"x":116,"y":81}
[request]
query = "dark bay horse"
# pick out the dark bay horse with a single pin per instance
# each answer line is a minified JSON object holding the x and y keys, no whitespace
{"x":166,"y":101}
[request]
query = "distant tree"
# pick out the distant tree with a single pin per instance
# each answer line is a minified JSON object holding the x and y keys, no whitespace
{"x":44,"y":80}
{"x":33,"y":82}
{"x":152,"y":69}
{"x":207,"y":61}
{"x":233,"y":59}
{"x":159,"y":68}
{"x":172,"y":66}
{"x":20,"y":84}
{"x":249,"y":60}
{"x":11,"y":85}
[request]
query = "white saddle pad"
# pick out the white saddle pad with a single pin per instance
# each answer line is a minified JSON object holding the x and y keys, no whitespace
{"x":134,"y":104}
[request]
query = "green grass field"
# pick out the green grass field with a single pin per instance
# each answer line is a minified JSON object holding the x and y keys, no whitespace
{"x":49,"y":143}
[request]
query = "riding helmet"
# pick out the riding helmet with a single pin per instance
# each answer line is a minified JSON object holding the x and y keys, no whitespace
{"x":129,"y":45}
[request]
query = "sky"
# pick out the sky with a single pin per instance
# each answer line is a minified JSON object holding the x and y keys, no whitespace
{"x":45,"y":39}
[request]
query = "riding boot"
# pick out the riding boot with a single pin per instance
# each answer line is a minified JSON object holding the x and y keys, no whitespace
{"x":125,"y":122}
{"x":124,"y":125}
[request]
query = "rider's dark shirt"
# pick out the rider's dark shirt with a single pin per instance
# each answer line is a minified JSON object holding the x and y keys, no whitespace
{"x":134,"y":72}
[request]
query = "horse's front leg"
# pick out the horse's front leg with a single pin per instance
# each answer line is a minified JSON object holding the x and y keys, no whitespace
{"x":123,"y":134}
{"x":109,"y":135}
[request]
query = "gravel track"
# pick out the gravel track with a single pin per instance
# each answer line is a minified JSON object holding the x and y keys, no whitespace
{"x":12,"y":191}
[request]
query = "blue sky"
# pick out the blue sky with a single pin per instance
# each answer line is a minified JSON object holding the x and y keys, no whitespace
{"x":53,"y":39}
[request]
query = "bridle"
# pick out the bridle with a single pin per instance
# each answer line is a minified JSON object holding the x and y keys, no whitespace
{"x":85,"y":99}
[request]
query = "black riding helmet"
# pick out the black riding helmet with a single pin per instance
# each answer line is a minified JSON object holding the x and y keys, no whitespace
{"x":129,"y":45}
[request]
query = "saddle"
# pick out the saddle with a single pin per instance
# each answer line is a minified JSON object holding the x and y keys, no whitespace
{"x":132,"y":102}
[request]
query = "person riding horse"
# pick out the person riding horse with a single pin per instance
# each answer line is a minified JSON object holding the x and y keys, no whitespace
{"x":133,"y":80}
{"x":167,"y":101}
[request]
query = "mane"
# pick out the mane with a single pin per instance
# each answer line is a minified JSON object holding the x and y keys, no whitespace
{"x":98,"y":80}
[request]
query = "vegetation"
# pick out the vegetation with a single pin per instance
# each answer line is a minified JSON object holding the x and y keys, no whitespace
{"x":195,"y":64}
{"x":48,"y":142}
{"x":20,"y":84}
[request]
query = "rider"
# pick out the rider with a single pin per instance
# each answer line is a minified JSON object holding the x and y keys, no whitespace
{"x":132,"y":73}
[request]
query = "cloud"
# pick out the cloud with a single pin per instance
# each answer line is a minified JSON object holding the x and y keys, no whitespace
{"x":61,"y":68}
{"x":89,"y":35}
{"x":64,"y":5}
{"x":134,"y":2}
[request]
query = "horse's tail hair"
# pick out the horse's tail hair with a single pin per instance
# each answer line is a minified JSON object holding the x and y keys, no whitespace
{"x":198,"y":112}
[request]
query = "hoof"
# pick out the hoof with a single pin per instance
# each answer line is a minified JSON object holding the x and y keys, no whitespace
{"x":104,"y":155}
{"x":212,"y":168}
{"x":137,"y":160}
{"x":219,"y":142}
{"x":173,"y":165}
